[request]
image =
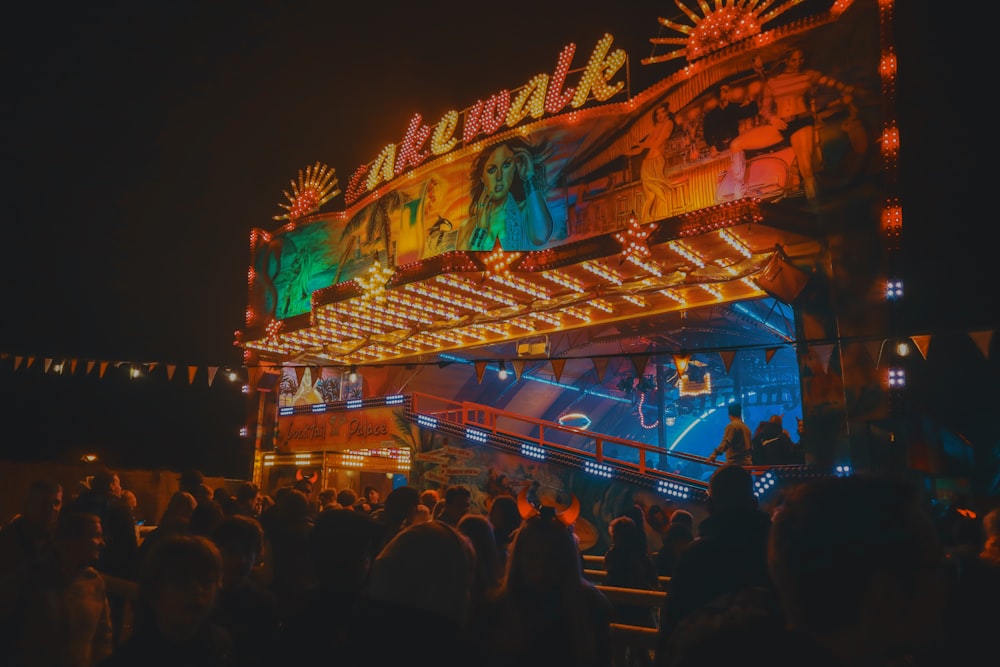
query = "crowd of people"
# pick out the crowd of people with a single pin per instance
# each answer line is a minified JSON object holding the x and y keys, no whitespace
{"x":843,"y":571}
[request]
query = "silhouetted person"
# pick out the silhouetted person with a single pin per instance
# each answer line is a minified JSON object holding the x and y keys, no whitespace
{"x":488,"y":571}
{"x":680,"y":532}
{"x":730,"y":553}
{"x":629,"y":565}
{"x":246,"y":609}
{"x":505,"y":519}
{"x":856,"y":564}
{"x":208,"y":511}
{"x":119,"y":559}
{"x":397,"y":512}
{"x":457,"y":500}
{"x":178,"y":585}
{"x":342,"y":546}
{"x":420,"y":592}
{"x":54,"y":610}
{"x":31,"y":533}
{"x":546,"y":613}
{"x":176,"y":519}
{"x":288,"y":568}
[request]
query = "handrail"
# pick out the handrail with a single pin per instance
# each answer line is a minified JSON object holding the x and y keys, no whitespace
{"x":633,"y":596}
{"x":599,"y":576}
{"x":498,"y":422}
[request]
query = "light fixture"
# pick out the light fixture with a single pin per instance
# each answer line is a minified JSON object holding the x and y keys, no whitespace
{"x":353,"y":374}
{"x":503,"y":374}
{"x":902,"y":348}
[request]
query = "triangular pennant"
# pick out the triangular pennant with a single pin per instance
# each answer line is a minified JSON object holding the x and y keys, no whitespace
{"x":823,"y":352}
{"x":152,"y":365}
{"x":557,"y":367}
{"x":72,"y":366}
{"x":982,"y":340}
{"x":212,"y":370}
{"x":681,"y":362}
{"x":518,"y":365}
{"x":102,"y":369}
{"x":480,"y":369}
{"x":17,"y":361}
{"x":170,"y":371}
{"x":90,"y":366}
{"x":769,"y":354}
{"x":300,"y":371}
{"x":639,"y":362}
{"x":600,"y":366}
{"x":727,"y":358}
{"x":48,"y":364}
{"x":192,"y":371}
{"x":874,"y":348}
{"x":31,"y":361}
{"x":921,"y":343}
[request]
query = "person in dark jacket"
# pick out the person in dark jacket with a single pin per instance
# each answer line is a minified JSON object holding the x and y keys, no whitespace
{"x":729,"y":555}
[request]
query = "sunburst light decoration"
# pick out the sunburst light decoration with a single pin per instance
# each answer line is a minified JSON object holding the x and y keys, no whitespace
{"x":498,"y":262}
{"x":373,"y":285}
{"x":730,"y":21}
{"x":315,"y":187}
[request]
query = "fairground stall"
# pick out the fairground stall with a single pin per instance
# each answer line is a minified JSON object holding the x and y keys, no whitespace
{"x":561,"y":287}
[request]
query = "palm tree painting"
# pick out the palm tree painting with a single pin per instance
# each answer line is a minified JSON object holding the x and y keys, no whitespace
{"x":372,"y":223}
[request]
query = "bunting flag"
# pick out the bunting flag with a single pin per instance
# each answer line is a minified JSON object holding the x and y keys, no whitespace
{"x":300,"y":371}
{"x":151,"y":367}
{"x":31,"y":361}
{"x":17,"y":361}
{"x":600,"y":367}
{"x":921,"y":343}
{"x":518,"y":365}
{"x":170,"y":371}
{"x":103,"y":368}
{"x":480,"y":369}
{"x":192,"y":370}
{"x":72,"y":367}
{"x":769,"y":354}
{"x":727,"y":358}
{"x":823,"y":352}
{"x":982,"y":340}
{"x":557,"y":367}
{"x":875,"y":348}
{"x":212,"y":370}
{"x":48,"y":364}
{"x":90,"y":366}
{"x":639,"y":362}
{"x":681,"y":362}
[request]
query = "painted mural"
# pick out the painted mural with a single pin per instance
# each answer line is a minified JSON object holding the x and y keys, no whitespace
{"x":794,"y":119}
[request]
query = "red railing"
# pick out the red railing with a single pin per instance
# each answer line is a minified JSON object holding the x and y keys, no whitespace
{"x":551,"y":435}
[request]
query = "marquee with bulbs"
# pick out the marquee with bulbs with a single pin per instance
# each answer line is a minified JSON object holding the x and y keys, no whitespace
{"x":397,"y":279}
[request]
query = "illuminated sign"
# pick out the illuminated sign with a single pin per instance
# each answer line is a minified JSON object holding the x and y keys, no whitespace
{"x":543,"y":94}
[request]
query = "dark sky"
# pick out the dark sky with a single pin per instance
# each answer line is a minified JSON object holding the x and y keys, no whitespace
{"x":143,"y":141}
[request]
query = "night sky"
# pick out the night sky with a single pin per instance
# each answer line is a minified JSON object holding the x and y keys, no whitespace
{"x":144,"y":141}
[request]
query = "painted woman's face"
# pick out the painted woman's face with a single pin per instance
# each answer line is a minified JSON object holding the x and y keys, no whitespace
{"x":498,"y":172}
